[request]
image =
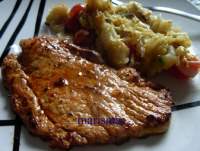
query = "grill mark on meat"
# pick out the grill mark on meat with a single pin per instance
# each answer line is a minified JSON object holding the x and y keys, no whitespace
{"x":137,"y":105}
{"x":137,"y":92}
{"x":141,"y":102}
{"x":120,"y":104}
{"x":144,"y":104}
{"x":132,"y":113}
{"x":152,"y":95}
{"x":159,"y":106}
{"x":112,"y":101}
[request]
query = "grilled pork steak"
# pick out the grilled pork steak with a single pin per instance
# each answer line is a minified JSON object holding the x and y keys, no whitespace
{"x":52,"y":88}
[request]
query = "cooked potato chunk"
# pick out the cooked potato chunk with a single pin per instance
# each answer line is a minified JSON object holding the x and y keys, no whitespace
{"x":57,"y":17}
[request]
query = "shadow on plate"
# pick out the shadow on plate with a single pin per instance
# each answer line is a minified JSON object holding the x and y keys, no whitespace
{"x":141,"y":143}
{"x":181,"y":90}
{"x":195,"y":37}
{"x":5,"y":106}
{"x":30,"y":142}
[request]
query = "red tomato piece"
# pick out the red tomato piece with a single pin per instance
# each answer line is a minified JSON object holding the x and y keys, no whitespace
{"x":188,"y":69}
{"x":76,"y":10}
{"x":191,"y":70}
{"x":72,"y":24}
{"x":177,"y":73}
{"x":84,"y":38}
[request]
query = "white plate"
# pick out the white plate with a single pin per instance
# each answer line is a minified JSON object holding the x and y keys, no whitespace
{"x":183,"y":134}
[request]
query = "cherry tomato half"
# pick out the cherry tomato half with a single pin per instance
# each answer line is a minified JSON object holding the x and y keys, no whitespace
{"x":186,"y":71}
{"x":75,"y":11}
{"x":72,"y":23}
{"x":177,"y":73}
{"x":84,"y":38}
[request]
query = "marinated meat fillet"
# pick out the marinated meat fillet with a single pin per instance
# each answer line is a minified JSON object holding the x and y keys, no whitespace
{"x":52,"y":87}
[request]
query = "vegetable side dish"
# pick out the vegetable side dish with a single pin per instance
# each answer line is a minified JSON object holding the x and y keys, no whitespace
{"x":127,"y":35}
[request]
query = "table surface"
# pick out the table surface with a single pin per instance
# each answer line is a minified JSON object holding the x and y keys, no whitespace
{"x":25,"y":18}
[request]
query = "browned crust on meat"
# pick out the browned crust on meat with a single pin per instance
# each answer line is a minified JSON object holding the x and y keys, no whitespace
{"x":25,"y":104}
{"x":28,"y":105}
